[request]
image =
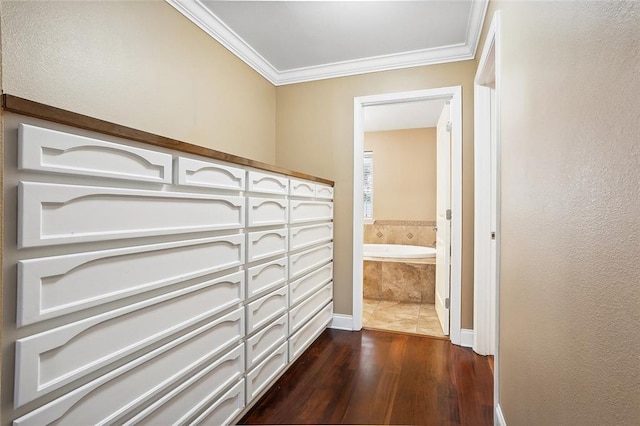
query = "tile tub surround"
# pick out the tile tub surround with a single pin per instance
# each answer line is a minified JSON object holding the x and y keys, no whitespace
{"x":404,"y":317}
{"x":407,"y":232}
{"x":399,"y":281}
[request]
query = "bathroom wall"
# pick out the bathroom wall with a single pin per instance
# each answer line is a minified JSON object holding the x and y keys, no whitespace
{"x":399,"y":281}
{"x":407,"y":232}
{"x":570,"y":259}
{"x":404,"y":173}
{"x":139,"y":64}
{"x":314,"y":134}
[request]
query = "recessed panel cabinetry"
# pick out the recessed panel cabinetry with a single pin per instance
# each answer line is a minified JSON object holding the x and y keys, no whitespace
{"x":154,"y":286}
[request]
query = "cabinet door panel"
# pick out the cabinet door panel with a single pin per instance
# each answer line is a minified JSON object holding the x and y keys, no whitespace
{"x":261,"y":245}
{"x":267,"y":183}
{"x":301,"y":263}
{"x":267,"y":211}
{"x":60,"y":214}
{"x":51,"y":359}
{"x":305,"y":236}
{"x":309,"y":332}
{"x":52,"y":286}
{"x":324,"y":192}
{"x":299,"y":315}
{"x":186,"y":400}
{"x":262,"y":375}
{"x":310,"y":211}
{"x":265,"y":341}
{"x":302,"y":188}
{"x":224,"y":409}
{"x":266,"y":276}
{"x":59,"y":152}
{"x":265,"y":309}
{"x":303,"y":287}
{"x":126,"y":388}
{"x":207,"y":174}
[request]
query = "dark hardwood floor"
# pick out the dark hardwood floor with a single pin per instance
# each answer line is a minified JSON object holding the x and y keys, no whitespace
{"x":374,"y":377}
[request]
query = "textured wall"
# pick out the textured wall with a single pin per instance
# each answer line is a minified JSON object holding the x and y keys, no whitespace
{"x":315,"y":135}
{"x":570,"y":259}
{"x":139,"y":64}
{"x":404,"y":173}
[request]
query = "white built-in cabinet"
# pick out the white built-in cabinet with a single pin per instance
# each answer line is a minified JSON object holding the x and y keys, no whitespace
{"x":157,"y":287}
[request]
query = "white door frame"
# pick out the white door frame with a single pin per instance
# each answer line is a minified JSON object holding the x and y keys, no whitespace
{"x":453,"y":93}
{"x":486,"y":317}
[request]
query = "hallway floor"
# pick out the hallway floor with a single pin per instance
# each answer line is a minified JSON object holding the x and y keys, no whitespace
{"x":407,"y":317}
{"x":373,"y":377}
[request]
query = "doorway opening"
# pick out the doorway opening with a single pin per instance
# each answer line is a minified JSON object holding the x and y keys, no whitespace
{"x":439,"y":230}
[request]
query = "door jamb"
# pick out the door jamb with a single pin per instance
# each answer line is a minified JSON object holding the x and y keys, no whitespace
{"x":486,"y":299}
{"x":454,"y":93}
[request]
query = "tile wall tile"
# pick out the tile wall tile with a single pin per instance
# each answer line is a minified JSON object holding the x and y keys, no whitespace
{"x":401,"y":281}
{"x":372,"y":278}
{"x":415,"y":233}
{"x":428,"y":283}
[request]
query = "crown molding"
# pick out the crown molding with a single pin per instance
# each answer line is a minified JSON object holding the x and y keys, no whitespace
{"x":476,"y":20}
{"x":415,"y":58}
{"x":197,"y":13}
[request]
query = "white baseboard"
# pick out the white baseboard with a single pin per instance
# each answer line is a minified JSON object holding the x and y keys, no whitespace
{"x":342,"y":322}
{"x":499,"y":420}
{"x":466,"y":338}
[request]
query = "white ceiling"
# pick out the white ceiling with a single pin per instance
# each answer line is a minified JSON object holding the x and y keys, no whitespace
{"x":405,"y":115}
{"x":294,"y":41}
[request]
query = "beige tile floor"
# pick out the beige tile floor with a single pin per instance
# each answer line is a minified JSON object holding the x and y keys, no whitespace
{"x":419,"y":318}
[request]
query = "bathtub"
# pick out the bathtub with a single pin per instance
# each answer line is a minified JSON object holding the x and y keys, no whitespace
{"x":398,"y":251}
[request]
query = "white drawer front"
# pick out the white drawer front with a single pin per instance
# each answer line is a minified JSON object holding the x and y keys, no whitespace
{"x":299,"y":315}
{"x":52,"y":286}
{"x":265,"y":341}
{"x":50,"y":359}
{"x":53,"y":151}
{"x":308,"y":333}
{"x":266,"y":276}
{"x":265,"y":309}
{"x":122,"y":390}
{"x":58,"y":214}
{"x":302,"y":188}
{"x":306,"y":261}
{"x":267,"y":211}
{"x":267,"y":183}
{"x":300,"y":289}
{"x":261,"y":245}
{"x":262,"y":375}
{"x":309,"y":211}
{"x":324,"y":192}
{"x":199,"y":391}
{"x":207,"y":174}
{"x":305,"y":236}
{"x":225,"y":408}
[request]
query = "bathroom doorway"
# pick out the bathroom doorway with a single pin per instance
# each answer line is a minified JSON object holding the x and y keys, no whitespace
{"x":415,"y":293}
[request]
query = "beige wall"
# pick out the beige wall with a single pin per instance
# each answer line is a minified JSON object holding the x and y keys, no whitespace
{"x":315,"y":135}
{"x":139,"y":64}
{"x":404,"y":173}
{"x":570,"y":258}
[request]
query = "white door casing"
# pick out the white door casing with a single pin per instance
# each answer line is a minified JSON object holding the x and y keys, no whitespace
{"x":493,"y":276}
{"x":487,"y":196}
{"x":443,"y":222}
{"x":454,"y":94}
{"x":486,"y":317}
